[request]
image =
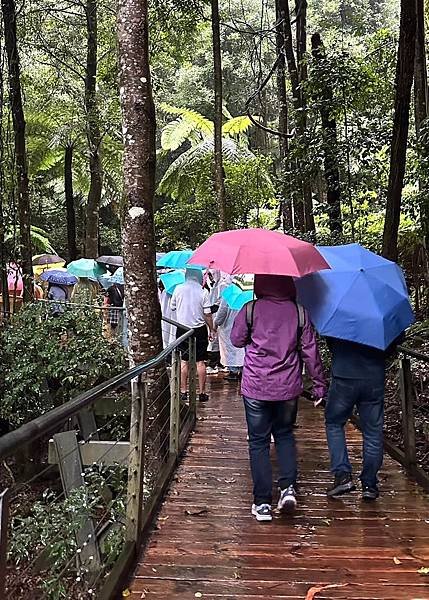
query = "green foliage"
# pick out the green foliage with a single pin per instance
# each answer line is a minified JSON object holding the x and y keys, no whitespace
{"x":193,"y":216}
{"x":45,"y":360}
{"x":48,"y":531}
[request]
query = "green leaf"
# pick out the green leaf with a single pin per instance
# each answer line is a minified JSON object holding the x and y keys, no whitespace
{"x":237,"y":125}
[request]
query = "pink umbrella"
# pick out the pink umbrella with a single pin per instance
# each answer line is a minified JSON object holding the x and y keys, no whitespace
{"x":258,"y":251}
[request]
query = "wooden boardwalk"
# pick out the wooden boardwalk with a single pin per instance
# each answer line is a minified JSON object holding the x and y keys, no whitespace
{"x":207,"y":545}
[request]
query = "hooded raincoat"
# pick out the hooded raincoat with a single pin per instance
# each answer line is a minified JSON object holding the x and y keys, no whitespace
{"x":274,"y":354}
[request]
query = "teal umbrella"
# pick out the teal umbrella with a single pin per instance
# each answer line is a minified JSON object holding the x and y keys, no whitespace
{"x":171,"y":280}
{"x":236,"y":297}
{"x":86,"y":267}
{"x":176,"y":259}
{"x":107,"y":280}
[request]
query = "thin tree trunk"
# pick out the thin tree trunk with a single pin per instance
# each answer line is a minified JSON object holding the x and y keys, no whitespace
{"x":301,"y":51}
{"x":3,"y":255}
{"x":93,"y":133}
{"x":139,"y":127}
{"x":404,"y":80}
{"x":330,"y":142}
{"x":219,"y":176}
{"x":286,"y":204}
{"x":284,"y":14}
{"x":18,"y":119}
{"x":70,"y":208}
{"x":421,"y":108}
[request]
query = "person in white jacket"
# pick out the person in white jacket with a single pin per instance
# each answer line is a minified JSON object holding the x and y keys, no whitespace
{"x":230,"y":356}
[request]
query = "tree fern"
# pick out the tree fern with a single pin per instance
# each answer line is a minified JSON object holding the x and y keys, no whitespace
{"x":175,"y":133}
{"x":179,"y":179}
{"x":237,"y":125}
{"x":199,"y":122}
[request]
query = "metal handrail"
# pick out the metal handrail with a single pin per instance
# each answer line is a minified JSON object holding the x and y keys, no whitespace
{"x":42,"y":425}
{"x":413,"y":353}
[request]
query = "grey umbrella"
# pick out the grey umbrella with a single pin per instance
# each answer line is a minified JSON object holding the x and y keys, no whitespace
{"x":112,"y":261}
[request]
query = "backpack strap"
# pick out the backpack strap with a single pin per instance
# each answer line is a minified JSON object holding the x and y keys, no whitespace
{"x":250,"y":311}
{"x":301,"y":320}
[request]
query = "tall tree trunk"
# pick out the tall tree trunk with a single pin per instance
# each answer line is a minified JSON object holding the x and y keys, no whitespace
{"x":93,"y":133}
{"x":301,"y":51}
{"x":421,"y":108}
{"x":330,"y":140}
{"x":3,"y":255}
{"x":286,"y":204}
{"x":284,"y":14}
{"x":219,"y":176}
{"x":404,"y":80}
{"x":69,"y":197}
{"x":18,"y":119}
{"x":139,"y":127}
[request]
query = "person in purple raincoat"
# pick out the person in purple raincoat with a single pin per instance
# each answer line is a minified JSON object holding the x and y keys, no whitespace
{"x":277,"y":336}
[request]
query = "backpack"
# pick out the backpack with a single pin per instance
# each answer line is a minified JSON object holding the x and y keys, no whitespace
{"x":250,"y":310}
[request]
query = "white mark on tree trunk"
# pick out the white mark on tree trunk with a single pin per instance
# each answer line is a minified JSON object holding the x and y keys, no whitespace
{"x":136,"y":211}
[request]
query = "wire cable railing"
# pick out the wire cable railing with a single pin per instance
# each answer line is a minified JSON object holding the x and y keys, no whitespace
{"x":71,"y":527}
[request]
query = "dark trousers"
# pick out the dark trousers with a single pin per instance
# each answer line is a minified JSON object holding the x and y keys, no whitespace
{"x":368,"y":397}
{"x":263,"y":419}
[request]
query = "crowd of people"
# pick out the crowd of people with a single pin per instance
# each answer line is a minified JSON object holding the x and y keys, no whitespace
{"x":270,"y":344}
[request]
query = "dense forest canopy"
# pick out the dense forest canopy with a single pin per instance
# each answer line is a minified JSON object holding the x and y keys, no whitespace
{"x":330,"y":183}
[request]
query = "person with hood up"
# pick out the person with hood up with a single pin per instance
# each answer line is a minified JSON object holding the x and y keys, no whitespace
{"x":278,"y":336}
{"x":230,"y":356}
{"x":190,"y":304}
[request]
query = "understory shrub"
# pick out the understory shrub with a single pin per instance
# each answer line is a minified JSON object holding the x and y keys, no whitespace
{"x":47,"y":360}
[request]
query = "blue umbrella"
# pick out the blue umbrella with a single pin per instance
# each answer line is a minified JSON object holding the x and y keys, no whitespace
{"x":235,"y":297}
{"x":363,"y":298}
{"x":176,"y":259}
{"x":172,"y":280}
{"x":58,"y":277}
{"x":109,"y":279}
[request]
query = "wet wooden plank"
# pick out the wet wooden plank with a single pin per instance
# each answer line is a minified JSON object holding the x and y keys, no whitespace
{"x":206,"y":542}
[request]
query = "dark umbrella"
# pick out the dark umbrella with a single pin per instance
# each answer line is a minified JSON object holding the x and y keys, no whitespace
{"x":59,"y":277}
{"x":47,"y":259}
{"x":111,"y":261}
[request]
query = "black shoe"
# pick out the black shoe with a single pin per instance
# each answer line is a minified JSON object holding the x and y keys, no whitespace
{"x":369,"y":493}
{"x":233,"y":377}
{"x":343,"y":484}
{"x":203,"y":398}
{"x":183,"y":397}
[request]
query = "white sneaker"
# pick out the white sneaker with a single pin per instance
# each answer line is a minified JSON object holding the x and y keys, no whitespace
{"x":212,"y":371}
{"x":287,"y":501}
{"x":262,"y":512}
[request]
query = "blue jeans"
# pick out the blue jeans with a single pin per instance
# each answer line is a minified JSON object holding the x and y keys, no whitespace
{"x":263,"y":419}
{"x":368,"y":397}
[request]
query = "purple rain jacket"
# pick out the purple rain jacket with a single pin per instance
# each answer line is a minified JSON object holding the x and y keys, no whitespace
{"x":272,"y":366}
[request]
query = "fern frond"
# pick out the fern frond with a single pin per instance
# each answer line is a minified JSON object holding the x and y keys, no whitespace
{"x":237,"y":125}
{"x":40,"y":240}
{"x":201,"y":123}
{"x":176,"y":133}
{"x":180,"y":177}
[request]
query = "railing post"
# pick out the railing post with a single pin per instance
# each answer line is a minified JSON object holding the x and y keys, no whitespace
{"x":174,"y":402}
{"x":136,"y":461}
{"x":4,"y":524}
{"x":408,"y":423}
{"x":192,"y":375}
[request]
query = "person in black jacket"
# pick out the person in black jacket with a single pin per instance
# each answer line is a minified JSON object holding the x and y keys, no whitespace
{"x":357,"y":380}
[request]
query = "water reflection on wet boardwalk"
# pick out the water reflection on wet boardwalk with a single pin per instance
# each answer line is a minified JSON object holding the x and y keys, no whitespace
{"x":207,"y":545}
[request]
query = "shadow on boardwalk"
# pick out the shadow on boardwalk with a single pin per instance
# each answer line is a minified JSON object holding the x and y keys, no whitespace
{"x":207,"y":545}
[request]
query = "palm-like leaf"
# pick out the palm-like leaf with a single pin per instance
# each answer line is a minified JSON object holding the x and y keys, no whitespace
{"x":200,"y":123}
{"x":237,"y":125}
{"x":180,"y":178}
{"x":175,"y":133}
